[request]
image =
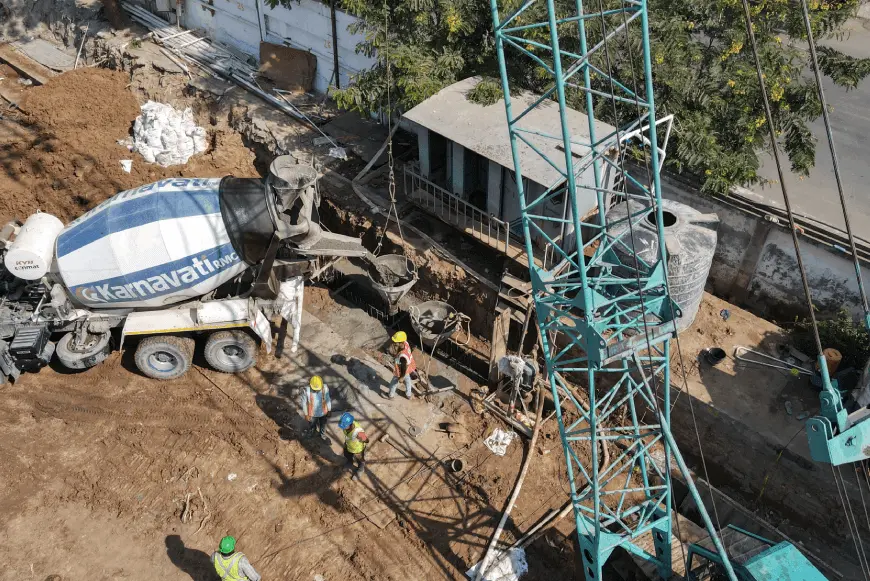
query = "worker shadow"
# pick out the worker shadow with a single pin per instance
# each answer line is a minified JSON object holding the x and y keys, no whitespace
{"x":367,"y":375}
{"x":284,"y":410}
{"x":450,"y":513}
{"x":196,"y":564}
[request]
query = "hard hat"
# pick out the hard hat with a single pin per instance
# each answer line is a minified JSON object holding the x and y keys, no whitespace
{"x":316,"y":383}
{"x":400,"y":337}
{"x":345,"y":421}
{"x":228,"y":545}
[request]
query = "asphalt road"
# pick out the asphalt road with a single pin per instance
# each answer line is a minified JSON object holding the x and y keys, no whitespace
{"x":816,"y":195}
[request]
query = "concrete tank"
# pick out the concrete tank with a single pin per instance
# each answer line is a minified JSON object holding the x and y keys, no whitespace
{"x":152,"y":246}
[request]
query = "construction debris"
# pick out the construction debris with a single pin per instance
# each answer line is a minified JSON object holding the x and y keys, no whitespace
{"x":499,"y":441}
{"x":166,"y":136}
{"x":511,"y":567}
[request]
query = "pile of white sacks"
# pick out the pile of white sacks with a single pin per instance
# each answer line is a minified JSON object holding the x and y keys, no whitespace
{"x":167,"y":136}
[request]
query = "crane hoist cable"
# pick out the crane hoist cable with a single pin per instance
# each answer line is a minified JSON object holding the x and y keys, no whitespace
{"x":836,"y":162}
{"x":667,"y":284}
{"x":806,"y":287}
{"x":391,"y":179}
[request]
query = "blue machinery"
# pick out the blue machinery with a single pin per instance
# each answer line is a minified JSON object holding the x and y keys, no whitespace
{"x":605,"y":316}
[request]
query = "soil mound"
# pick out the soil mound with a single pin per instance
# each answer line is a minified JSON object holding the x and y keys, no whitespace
{"x":62,"y":156}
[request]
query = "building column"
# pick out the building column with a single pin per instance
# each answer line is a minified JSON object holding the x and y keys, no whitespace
{"x":425,"y":152}
{"x":458,"y":169}
{"x":493,"y":189}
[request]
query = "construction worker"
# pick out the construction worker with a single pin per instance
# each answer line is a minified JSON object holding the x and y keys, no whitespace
{"x":230,"y":565}
{"x":316,"y":406}
{"x":355,"y":442}
{"x":403,"y":364}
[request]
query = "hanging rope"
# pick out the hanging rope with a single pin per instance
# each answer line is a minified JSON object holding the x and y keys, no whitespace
{"x":394,"y":211}
{"x":815,"y":65}
{"x":844,"y":496}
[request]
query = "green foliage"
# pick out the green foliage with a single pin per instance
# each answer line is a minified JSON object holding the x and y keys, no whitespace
{"x":846,"y":71}
{"x":704,"y":72}
{"x":841,"y":333}
{"x":487,"y":92}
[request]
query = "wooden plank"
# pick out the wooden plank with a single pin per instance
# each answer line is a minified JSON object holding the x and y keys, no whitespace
{"x":521,"y":285}
{"x":25,"y":65}
{"x":500,"y":335}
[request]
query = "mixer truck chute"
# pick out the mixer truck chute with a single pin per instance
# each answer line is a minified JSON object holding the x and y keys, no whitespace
{"x":168,"y":263}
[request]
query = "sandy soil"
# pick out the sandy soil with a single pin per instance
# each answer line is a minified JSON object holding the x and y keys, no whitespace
{"x":104,"y":470}
{"x":61,"y":154}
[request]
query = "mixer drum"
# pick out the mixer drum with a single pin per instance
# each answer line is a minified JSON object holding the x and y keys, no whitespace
{"x":155,"y":245}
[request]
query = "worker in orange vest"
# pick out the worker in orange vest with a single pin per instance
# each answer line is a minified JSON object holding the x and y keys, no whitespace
{"x":316,"y":405}
{"x":403,"y":364}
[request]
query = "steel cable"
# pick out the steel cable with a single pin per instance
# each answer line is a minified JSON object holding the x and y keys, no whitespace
{"x":667,"y":288}
{"x":807,"y":293}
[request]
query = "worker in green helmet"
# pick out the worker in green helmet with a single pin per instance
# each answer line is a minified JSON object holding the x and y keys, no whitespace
{"x":232,"y":565}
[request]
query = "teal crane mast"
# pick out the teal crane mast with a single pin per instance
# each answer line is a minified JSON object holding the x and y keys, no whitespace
{"x":605,"y":315}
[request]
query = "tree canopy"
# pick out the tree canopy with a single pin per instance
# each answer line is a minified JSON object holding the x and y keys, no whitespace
{"x":703,"y":70}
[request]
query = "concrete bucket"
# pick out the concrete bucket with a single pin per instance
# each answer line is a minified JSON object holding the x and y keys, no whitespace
{"x":435,"y":321}
{"x":392,"y":275}
{"x":290,"y":180}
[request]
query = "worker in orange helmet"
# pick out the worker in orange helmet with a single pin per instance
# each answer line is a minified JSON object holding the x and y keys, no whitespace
{"x":403,"y":364}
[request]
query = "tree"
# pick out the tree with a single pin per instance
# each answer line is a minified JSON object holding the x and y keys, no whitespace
{"x":703,"y":70}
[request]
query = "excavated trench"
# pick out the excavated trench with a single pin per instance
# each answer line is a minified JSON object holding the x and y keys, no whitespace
{"x":355,"y":289}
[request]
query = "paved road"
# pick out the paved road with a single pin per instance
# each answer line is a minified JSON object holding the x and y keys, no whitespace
{"x":816,"y":195}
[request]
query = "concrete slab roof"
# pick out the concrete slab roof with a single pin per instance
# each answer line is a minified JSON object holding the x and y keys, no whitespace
{"x":483,"y":129}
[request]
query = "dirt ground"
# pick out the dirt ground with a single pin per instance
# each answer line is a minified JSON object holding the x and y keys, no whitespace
{"x":110,"y":475}
{"x":60,"y":154}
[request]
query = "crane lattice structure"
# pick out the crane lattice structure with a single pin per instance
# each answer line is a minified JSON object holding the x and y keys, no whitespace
{"x":604,"y":314}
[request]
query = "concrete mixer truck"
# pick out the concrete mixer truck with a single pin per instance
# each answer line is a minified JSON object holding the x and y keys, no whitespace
{"x":171,"y":263}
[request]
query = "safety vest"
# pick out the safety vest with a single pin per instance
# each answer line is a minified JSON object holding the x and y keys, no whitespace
{"x":228,"y":568}
{"x":323,"y":391}
{"x":351,"y":443}
{"x":407,"y":355}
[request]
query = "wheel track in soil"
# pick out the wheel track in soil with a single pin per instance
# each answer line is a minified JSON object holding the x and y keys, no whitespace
{"x":185,"y":446}
{"x":87,"y":408}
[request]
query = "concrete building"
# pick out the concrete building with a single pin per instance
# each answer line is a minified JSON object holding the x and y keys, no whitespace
{"x":465,"y":172}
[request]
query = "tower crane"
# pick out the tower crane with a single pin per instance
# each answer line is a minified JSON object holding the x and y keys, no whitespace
{"x":605,"y":316}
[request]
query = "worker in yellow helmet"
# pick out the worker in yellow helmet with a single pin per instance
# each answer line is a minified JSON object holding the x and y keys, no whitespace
{"x":232,"y":565}
{"x":403,"y":364}
{"x":316,"y":405}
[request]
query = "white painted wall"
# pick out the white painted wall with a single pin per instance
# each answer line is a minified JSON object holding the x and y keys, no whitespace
{"x":306,"y":26}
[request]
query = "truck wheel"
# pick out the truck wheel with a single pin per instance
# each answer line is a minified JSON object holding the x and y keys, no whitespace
{"x":164,"y":357}
{"x":231,"y":351}
{"x":85,"y":356}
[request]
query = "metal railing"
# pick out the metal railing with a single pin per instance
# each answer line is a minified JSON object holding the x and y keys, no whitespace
{"x":456,"y":211}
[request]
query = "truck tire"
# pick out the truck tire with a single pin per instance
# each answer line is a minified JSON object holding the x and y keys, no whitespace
{"x":231,"y":351}
{"x":93,"y":353}
{"x":164,"y":357}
